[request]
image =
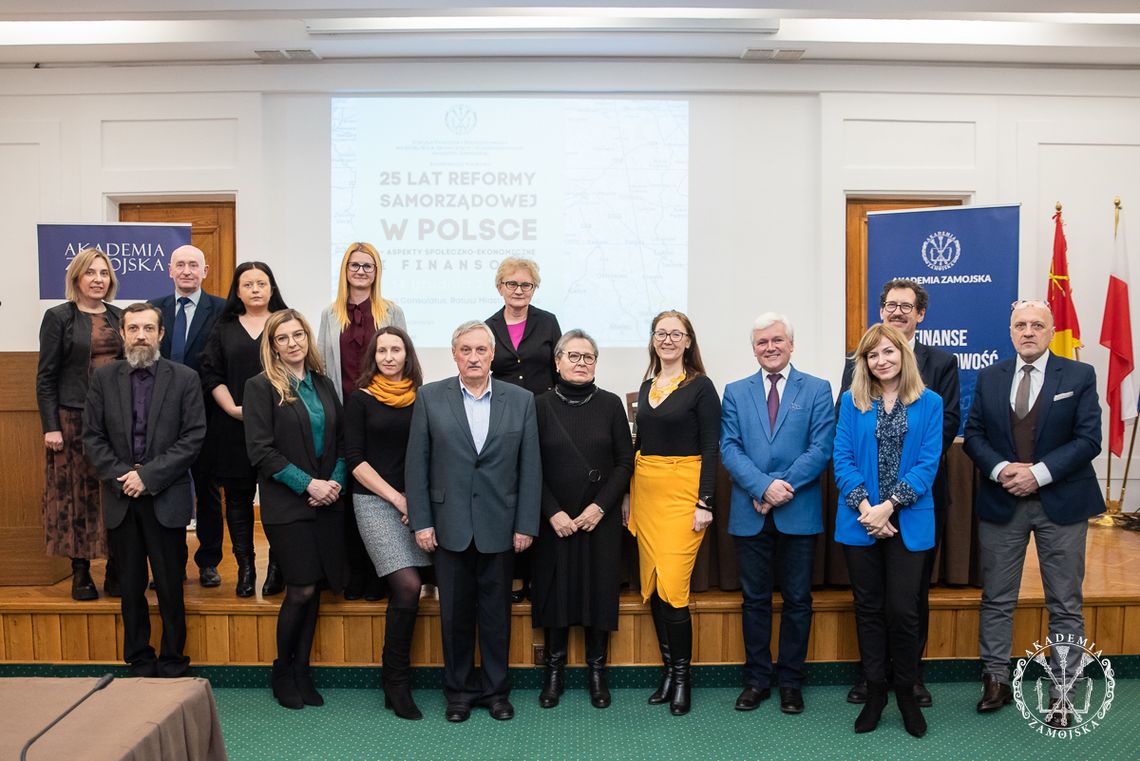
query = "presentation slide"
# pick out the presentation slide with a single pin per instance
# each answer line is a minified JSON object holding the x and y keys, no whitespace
{"x":595,"y":190}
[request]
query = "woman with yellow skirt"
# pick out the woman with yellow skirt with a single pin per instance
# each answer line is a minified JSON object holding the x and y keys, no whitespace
{"x":671,"y":496}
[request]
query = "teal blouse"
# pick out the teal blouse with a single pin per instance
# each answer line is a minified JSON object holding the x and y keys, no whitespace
{"x":292,"y":476}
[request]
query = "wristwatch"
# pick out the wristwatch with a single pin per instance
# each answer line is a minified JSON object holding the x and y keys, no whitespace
{"x":896,"y":503}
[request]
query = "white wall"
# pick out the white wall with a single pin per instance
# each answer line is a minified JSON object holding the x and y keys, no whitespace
{"x":775,"y":150}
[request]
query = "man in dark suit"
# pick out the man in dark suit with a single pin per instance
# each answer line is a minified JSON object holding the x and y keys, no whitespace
{"x":1033,"y":431}
{"x":474,"y":484}
{"x":191,"y":313}
{"x":777,"y":429}
{"x":902,"y":305}
{"x":144,"y":425}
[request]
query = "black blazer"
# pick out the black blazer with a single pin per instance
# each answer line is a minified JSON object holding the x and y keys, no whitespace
{"x":277,"y":436}
{"x":1068,"y":440}
{"x":205,"y":315}
{"x":175,"y":430}
{"x":531,"y":366}
{"x":65,"y":358}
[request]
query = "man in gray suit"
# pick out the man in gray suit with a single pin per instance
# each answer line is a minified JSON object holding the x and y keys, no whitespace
{"x":474,"y":484}
{"x":144,"y":425}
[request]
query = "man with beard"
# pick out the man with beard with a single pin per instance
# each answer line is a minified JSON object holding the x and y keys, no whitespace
{"x":143,"y":428}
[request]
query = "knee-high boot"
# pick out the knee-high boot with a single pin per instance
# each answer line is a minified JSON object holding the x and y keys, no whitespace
{"x":396,"y":670}
{"x":597,"y":648}
{"x":680,"y":627}
{"x":665,"y":689}
{"x":553,"y":683}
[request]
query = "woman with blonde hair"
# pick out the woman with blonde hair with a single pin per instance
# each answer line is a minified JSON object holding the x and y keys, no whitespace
{"x":347,"y":326}
{"x":76,"y":337}
{"x":671,"y":496}
{"x":887,"y":446}
{"x":294,"y":435}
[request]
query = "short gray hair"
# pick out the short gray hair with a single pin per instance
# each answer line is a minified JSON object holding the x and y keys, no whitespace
{"x":767,"y":320}
{"x":469,"y":326}
{"x":572,"y":335}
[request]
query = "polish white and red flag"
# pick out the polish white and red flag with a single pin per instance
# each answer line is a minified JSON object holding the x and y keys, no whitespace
{"x":1116,"y":336}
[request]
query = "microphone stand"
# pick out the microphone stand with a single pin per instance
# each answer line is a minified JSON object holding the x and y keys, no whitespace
{"x":104,"y":680}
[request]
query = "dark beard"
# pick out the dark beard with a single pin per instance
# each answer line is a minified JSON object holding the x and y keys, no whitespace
{"x":142,"y":357}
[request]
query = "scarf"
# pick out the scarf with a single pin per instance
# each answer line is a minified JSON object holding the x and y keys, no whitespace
{"x":392,"y":393}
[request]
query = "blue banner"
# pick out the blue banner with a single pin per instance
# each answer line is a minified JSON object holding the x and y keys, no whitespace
{"x":138,"y":254}
{"x":966,"y":258}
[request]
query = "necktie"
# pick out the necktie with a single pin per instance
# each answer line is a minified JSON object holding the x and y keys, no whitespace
{"x":773,"y":401}
{"x":178,"y":340}
{"x":1021,"y":400}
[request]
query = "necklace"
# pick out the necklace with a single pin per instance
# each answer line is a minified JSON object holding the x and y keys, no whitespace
{"x":573,"y":402}
{"x":658,"y":394}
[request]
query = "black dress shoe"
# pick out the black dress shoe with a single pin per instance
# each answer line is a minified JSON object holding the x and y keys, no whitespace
{"x":791,"y":700}
{"x":374,"y":590}
{"x":520,"y":594}
{"x":144,"y":669}
{"x":502,"y":710}
{"x":1059,"y":716}
{"x":354,"y":589}
{"x":457,"y":712}
{"x":922,"y":695}
{"x":994,"y":694}
{"x":82,"y":585}
{"x":858,"y":693}
{"x":208,"y":576}
{"x":752,"y":697}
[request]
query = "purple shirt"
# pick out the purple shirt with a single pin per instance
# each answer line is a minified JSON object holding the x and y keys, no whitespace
{"x":142,"y":389}
{"x":516,"y":332}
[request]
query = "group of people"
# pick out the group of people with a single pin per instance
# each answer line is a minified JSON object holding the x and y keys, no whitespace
{"x":455,"y":480}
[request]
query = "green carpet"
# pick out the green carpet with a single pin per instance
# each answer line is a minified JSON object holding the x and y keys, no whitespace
{"x":354,"y":725}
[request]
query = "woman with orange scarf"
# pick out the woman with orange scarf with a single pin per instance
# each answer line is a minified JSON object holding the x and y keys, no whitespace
{"x":378,"y":418}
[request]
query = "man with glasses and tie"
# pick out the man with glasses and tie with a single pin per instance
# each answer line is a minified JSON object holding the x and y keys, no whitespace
{"x":190,"y":314}
{"x":777,"y":429}
{"x":902,"y":305}
{"x":1032,"y":431}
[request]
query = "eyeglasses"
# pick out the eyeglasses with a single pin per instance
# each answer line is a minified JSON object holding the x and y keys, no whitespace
{"x":514,"y":285}
{"x":361,"y":266}
{"x":586,"y":359}
{"x":299,"y":337}
{"x":901,"y":306}
{"x":674,"y":335}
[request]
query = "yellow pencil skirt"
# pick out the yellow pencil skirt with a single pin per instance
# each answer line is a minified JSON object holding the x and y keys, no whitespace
{"x":663,"y":498}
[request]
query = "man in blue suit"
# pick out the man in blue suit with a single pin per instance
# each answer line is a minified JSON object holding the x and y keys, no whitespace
{"x":190,"y":314}
{"x":777,"y":428}
{"x":1033,"y":431}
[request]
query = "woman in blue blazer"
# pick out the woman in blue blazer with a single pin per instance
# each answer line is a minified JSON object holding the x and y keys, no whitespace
{"x":887,"y":446}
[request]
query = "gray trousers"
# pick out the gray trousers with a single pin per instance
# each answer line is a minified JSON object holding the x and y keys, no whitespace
{"x":1061,"y":552}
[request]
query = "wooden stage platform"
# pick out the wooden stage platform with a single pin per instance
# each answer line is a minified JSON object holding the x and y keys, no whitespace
{"x":44,"y":625}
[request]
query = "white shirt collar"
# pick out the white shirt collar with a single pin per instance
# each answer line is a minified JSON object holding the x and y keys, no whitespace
{"x":194,"y":297}
{"x":1038,"y":364}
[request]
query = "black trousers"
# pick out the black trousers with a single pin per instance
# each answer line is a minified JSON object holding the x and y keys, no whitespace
{"x":475,"y":591}
{"x":886,"y":581}
{"x":239,"y":513}
{"x":139,"y":538}
{"x":941,"y":510}
{"x":208,"y":514}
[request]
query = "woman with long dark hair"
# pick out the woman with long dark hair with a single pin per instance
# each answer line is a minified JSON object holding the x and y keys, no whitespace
{"x":232,"y":356}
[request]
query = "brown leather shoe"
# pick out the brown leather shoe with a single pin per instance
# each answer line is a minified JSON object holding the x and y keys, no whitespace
{"x":995,"y":694}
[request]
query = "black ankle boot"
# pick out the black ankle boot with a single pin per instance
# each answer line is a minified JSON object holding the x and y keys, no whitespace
{"x":82,"y":585}
{"x":274,"y":581}
{"x":553,"y":675}
{"x":868,"y":718}
{"x":246,"y":577}
{"x":913,"y":719}
{"x":399,"y":625}
{"x":597,"y":647}
{"x":665,"y":688}
{"x":303,"y":678}
{"x":284,"y":686}
{"x":680,"y":626}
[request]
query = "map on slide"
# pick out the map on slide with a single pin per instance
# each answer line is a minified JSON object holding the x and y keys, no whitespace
{"x":595,"y":190}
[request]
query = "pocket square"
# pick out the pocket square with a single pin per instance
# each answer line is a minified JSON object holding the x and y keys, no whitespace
{"x":796,"y":406}
{"x":1062,"y":395}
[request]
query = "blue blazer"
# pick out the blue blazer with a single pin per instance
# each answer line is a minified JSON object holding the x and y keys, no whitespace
{"x":205,"y":315}
{"x":1068,"y":438}
{"x":797,"y":451}
{"x":857,"y":464}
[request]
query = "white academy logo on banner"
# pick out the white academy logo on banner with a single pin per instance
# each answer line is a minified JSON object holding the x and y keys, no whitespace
{"x":1077,"y":685}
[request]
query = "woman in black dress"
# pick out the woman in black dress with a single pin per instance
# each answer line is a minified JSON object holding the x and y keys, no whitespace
{"x":75,"y":338}
{"x":671,"y":496}
{"x":524,"y":352}
{"x":587,"y":459}
{"x":378,"y":420}
{"x":231,"y":357}
{"x":294,"y":436}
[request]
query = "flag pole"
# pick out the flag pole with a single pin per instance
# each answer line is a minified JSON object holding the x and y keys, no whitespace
{"x":1076,"y":349}
{"x":1113,"y":506}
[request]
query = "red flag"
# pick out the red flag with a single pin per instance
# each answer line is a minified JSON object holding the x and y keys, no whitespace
{"x":1116,"y":336}
{"x":1068,"y":336}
